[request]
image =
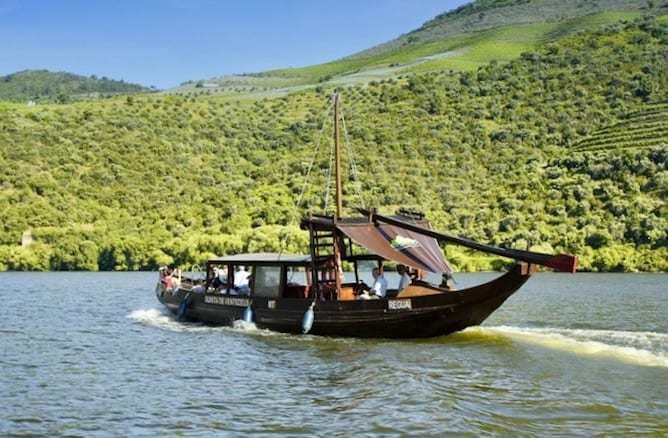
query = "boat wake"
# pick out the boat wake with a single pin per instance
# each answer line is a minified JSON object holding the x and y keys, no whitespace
{"x":639,"y":348}
{"x":165,"y":320}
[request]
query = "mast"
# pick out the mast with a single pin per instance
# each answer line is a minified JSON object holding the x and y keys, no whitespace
{"x":339,"y":197}
{"x":337,"y":149}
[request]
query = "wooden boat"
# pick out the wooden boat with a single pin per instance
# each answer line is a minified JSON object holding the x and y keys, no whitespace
{"x":309,"y":293}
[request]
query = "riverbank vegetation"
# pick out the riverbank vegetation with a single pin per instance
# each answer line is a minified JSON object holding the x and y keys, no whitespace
{"x":561,"y":150}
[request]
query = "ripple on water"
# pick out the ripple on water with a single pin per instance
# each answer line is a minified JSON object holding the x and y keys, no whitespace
{"x":114,"y":363}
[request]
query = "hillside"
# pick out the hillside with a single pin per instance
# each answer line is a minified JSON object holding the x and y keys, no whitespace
{"x":488,"y":14}
{"x":47,"y":86}
{"x":461,"y":40}
{"x":507,"y":154}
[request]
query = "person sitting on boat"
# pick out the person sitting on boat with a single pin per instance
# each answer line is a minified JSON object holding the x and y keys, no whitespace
{"x":175,"y":274}
{"x":379,"y":288}
{"x":420,"y":277}
{"x":404,"y":278}
{"x":447,"y":281}
{"x":169,"y":281}
{"x":242,"y":281}
{"x":218,"y":281}
{"x":221,"y":273}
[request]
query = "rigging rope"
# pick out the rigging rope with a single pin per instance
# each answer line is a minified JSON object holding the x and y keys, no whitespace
{"x":329,"y":176}
{"x":302,"y":192}
{"x":315,"y":156}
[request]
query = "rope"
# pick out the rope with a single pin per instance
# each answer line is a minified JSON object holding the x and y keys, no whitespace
{"x":329,"y":177}
{"x":308,"y":173}
{"x":315,"y":155}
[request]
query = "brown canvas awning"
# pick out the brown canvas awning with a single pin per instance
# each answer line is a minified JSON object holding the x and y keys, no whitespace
{"x":398,"y":244}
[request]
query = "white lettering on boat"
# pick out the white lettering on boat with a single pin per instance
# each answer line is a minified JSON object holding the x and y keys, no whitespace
{"x":226,"y":301}
{"x":399,"y":305}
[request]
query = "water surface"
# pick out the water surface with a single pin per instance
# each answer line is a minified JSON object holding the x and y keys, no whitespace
{"x":94,"y":354}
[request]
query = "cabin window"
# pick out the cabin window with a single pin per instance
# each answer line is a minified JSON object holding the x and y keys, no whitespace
{"x":296,"y":283}
{"x":364,"y":268}
{"x":297,"y":276}
{"x":267,"y":281}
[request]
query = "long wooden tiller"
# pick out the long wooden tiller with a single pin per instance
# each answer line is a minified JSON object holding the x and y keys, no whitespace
{"x":560,"y":262}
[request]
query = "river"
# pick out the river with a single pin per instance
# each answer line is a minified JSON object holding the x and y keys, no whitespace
{"x":94,"y":354}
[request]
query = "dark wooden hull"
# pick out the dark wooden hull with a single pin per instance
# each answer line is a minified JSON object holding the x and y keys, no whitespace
{"x":423,"y":316}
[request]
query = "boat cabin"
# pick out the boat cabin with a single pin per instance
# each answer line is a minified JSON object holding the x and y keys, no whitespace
{"x":274,"y":275}
{"x":269,"y":275}
{"x":355,"y":243}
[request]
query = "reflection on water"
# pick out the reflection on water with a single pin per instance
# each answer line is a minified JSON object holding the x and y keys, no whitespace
{"x":88,"y":354}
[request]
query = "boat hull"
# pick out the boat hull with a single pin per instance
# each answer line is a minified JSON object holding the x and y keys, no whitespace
{"x":415,"y":317}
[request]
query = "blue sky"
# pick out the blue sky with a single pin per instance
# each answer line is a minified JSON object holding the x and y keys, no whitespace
{"x":165,"y":42}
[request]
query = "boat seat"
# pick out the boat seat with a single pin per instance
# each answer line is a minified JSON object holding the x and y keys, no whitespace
{"x":415,"y":290}
{"x":347,"y":292}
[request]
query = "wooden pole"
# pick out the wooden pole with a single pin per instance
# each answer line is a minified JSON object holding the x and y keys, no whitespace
{"x":339,"y":195}
{"x":337,"y":149}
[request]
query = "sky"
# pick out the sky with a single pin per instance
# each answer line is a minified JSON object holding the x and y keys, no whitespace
{"x":166,"y":42}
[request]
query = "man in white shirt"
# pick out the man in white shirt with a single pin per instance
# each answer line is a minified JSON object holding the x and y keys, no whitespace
{"x":379,"y":287}
{"x":241,"y":281}
{"x":404,"y":278}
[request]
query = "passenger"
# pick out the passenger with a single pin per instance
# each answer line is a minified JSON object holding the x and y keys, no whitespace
{"x":242,"y":280}
{"x":447,"y":280}
{"x":222,"y":274}
{"x":379,"y":288}
{"x":241,"y":276}
{"x":169,"y":281}
{"x":420,"y":277}
{"x":405,"y":279}
{"x":216,"y":283}
{"x":175,"y":275}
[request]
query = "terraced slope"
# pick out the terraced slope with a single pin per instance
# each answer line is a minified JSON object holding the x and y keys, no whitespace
{"x":646,"y":128}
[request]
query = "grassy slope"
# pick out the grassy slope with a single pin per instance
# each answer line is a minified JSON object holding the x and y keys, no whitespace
{"x":507,"y":43}
{"x":491,"y":154}
{"x":475,"y":48}
{"x":489,"y":14}
{"x":462,"y":52}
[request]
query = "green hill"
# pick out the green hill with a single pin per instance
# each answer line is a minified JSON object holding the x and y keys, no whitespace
{"x":461,"y":40}
{"x":47,"y":86}
{"x":498,"y":154}
{"x":489,"y":14}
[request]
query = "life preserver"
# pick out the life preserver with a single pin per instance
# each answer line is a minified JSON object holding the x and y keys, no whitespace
{"x":183,"y":307}
{"x":309,"y":317}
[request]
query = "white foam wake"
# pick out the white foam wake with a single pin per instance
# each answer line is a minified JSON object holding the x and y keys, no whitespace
{"x":639,"y":348}
{"x":164,"y":320}
{"x":158,"y":318}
